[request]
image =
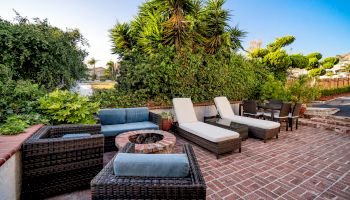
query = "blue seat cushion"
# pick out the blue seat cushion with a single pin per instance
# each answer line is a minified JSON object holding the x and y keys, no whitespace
{"x":113,"y":130}
{"x":75,"y":135}
{"x":112,"y":116}
{"x":151,"y":165}
{"x":137,"y":114}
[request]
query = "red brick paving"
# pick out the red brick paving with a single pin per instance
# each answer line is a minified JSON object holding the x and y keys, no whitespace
{"x":307,"y":163}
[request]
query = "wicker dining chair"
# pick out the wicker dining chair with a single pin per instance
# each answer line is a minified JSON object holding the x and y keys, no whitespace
{"x":294,"y":115}
{"x":250,"y":109}
{"x":281,"y":116}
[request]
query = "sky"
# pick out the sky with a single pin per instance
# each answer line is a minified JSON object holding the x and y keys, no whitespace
{"x":318,"y":25}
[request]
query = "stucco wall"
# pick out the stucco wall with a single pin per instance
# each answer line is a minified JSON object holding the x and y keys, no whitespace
{"x":10,"y":178}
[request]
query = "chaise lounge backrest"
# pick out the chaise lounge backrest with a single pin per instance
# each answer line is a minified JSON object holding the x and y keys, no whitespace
{"x":224,"y":107}
{"x":184,"y":110}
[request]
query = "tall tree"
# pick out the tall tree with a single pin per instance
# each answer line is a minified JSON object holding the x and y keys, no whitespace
{"x":92,"y":62}
{"x":111,"y":70}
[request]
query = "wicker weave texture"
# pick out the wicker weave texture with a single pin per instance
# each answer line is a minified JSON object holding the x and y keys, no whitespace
{"x":108,"y":186}
{"x":52,"y":165}
{"x":216,"y":147}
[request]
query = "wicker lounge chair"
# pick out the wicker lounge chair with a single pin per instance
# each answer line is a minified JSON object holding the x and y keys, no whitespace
{"x":258,"y":128}
{"x":215,"y":139}
{"x":53,"y":163}
{"x":108,"y":186}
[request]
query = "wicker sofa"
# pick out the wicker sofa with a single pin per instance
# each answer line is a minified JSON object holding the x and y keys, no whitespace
{"x":108,"y":186}
{"x":117,"y":121}
{"x":53,"y":163}
{"x":215,"y":139}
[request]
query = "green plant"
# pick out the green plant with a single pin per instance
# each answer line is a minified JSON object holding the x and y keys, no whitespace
{"x":304,"y":89}
{"x":330,"y":73}
{"x":19,"y":97}
{"x":15,"y":124}
{"x":167,"y":115}
{"x":328,"y":63}
{"x":64,"y":107}
{"x":273,"y":89}
{"x":330,"y":92}
{"x":42,"y":53}
{"x":317,"y":72}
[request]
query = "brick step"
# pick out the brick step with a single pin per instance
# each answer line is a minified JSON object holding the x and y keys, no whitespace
{"x":338,"y":118}
{"x":322,"y":125}
{"x":331,"y":121}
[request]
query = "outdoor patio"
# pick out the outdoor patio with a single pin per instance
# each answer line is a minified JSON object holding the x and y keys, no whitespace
{"x":307,"y":163}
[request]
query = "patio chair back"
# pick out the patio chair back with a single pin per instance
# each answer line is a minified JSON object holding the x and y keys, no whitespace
{"x":249,"y":106}
{"x":184,"y":110}
{"x":275,"y":103}
{"x":296,"y":110}
{"x":285,"y":109}
{"x":224,"y":107}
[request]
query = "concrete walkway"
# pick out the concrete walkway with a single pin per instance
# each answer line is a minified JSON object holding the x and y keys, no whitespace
{"x":343,"y":103}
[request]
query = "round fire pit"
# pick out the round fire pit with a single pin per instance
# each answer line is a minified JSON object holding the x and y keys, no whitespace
{"x":147,"y":141}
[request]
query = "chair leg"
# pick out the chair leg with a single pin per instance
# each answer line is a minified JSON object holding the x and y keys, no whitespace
{"x":265,"y":140}
{"x":296,"y":123}
{"x":291,"y":124}
{"x":277,"y":136}
{"x":287,"y":125}
{"x":240,"y":150}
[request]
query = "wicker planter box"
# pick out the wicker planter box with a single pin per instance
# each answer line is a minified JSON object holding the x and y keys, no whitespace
{"x":52,"y":164}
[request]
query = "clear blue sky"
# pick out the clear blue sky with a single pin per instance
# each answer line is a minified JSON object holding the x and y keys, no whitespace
{"x":318,"y":25}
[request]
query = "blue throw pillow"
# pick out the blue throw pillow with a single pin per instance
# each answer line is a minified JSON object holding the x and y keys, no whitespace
{"x":151,"y":165}
{"x":112,"y":116}
{"x":137,"y":114}
{"x":75,"y":135}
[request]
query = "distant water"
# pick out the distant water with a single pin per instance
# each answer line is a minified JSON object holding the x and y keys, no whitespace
{"x":83,"y":89}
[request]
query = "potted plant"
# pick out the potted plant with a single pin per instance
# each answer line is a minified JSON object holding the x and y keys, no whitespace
{"x":167,"y":121}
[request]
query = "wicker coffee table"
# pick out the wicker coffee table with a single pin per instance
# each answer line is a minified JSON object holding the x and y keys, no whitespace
{"x":227,"y":124}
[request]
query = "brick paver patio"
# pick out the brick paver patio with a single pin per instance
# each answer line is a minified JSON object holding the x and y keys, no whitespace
{"x":307,"y":163}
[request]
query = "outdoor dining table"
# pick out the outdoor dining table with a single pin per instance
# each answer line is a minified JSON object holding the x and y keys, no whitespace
{"x":262,"y":106}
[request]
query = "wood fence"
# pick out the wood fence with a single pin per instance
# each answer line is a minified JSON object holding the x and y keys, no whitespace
{"x":331,"y":83}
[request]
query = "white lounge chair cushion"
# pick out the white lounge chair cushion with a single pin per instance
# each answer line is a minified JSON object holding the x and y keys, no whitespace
{"x":258,"y":123}
{"x":184,"y":110}
{"x":209,"y":132}
{"x":224,"y":107}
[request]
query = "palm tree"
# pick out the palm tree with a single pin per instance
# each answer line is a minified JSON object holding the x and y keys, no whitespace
{"x":93,"y":62}
{"x":112,"y":71}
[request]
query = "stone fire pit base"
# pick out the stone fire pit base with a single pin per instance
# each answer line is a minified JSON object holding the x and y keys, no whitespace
{"x":163,"y":146}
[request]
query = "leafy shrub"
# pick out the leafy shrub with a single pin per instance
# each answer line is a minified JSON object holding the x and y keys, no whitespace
{"x":111,"y":98}
{"x":328,"y":63}
{"x":15,"y":124}
{"x":317,"y":72}
{"x":330,"y":92}
{"x":299,"y":61}
{"x":40,"y":52}
{"x":273,"y":89}
{"x":64,"y":107}
{"x":303,"y":89}
{"x":19,"y":97}
{"x":313,"y":63}
{"x":201,"y":76}
{"x":316,"y":55}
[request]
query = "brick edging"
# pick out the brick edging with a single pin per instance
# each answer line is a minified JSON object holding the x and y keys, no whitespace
{"x":10,"y":144}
